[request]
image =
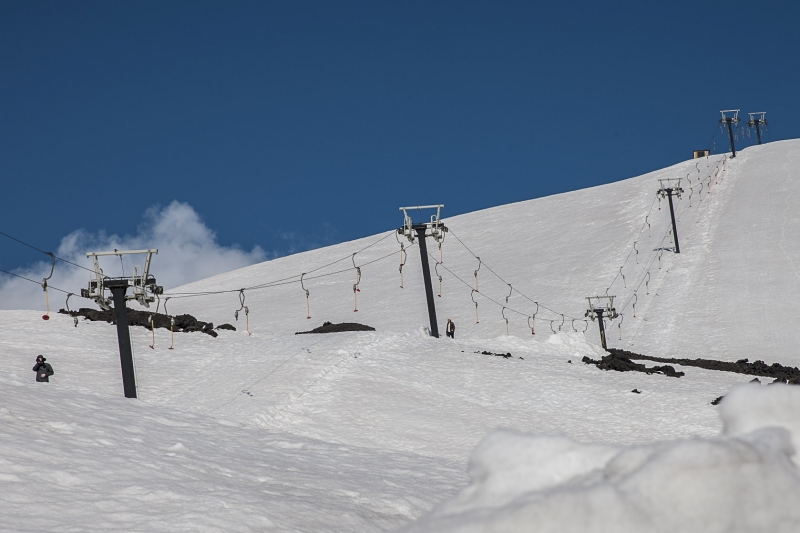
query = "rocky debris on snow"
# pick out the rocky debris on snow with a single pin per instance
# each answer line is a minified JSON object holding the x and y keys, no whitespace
{"x":620,"y":363}
{"x":226,"y":326}
{"x":503,"y":355}
{"x":716,"y":402}
{"x":636,"y":391}
{"x":780,"y":373}
{"x":329,"y":327}
{"x":184,"y":323}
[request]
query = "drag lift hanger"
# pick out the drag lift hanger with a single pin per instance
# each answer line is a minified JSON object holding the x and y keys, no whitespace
{"x":411,"y":231}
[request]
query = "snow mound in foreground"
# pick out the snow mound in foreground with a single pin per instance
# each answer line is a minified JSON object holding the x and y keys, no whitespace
{"x":743,"y":480}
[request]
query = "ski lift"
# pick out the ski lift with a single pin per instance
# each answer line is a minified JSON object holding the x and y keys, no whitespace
{"x":246,"y":312}
{"x":635,"y":299}
{"x":476,"y":273}
{"x":171,"y":324}
{"x":562,"y":321}
{"x":597,"y":308}
{"x":503,"y":312}
{"x":69,"y":312}
{"x":46,"y":316}
{"x":403,"y":258}
{"x":152,"y":324}
{"x":647,"y":283}
{"x":532,"y":320}
{"x":552,"y":328}
{"x":472,"y":295}
{"x":622,"y":319}
{"x":356,"y":290}
{"x":637,"y":251}
{"x":510,"y":290}
{"x":144,"y":287}
{"x":625,"y":285}
{"x":436,"y":269}
{"x":438,"y":231}
{"x":308,"y":305}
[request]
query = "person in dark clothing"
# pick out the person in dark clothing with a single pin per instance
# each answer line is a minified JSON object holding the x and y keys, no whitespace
{"x":450,"y":330}
{"x":43,"y":370}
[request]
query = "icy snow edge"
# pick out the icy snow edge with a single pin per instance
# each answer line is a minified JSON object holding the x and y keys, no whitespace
{"x":743,"y":480}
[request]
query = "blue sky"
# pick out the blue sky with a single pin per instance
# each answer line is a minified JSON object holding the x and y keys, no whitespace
{"x":292,"y":125}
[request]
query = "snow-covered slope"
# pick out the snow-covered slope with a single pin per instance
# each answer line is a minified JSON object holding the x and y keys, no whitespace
{"x":367,"y":431}
{"x":729,"y":293}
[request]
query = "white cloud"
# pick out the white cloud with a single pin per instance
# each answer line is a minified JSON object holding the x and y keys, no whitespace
{"x":187,"y":251}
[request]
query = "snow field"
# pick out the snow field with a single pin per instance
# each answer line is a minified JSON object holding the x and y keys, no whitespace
{"x":371,"y":431}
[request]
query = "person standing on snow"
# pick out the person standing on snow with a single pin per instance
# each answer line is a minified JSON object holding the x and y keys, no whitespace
{"x":450,"y":329}
{"x":43,"y":370}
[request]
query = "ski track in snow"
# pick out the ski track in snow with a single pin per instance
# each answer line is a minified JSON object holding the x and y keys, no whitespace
{"x":369,"y":431}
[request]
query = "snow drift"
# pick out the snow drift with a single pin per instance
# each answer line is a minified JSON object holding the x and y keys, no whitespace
{"x":743,"y":480}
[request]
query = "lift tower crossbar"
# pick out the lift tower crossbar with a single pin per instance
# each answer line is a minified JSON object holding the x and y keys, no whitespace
{"x":597,"y":309}
{"x":731,"y":118}
{"x":436,"y":229}
{"x":669,"y":187}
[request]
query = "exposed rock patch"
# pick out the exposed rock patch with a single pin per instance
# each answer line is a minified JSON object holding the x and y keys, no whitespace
{"x":620,"y":363}
{"x":781,"y":374}
{"x":185,"y":323}
{"x":329,"y":327}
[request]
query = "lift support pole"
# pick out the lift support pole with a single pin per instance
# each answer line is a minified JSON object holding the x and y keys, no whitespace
{"x":674,"y":227}
{"x":729,"y":122}
{"x":118,"y":289}
{"x":599,"y":313}
{"x":426,"y":275}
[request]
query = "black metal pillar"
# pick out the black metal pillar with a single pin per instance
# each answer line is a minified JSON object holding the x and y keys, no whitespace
{"x":426,"y":274}
{"x":602,"y":327}
{"x":729,"y":122}
{"x":758,"y":132}
{"x":674,"y":227}
{"x":118,"y":289}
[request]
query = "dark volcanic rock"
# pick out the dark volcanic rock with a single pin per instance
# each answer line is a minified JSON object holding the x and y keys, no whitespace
{"x":185,"y":323}
{"x":226,"y":326}
{"x":780,"y":373}
{"x":620,"y":363}
{"x":329,"y":327}
{"x":503,"y":355}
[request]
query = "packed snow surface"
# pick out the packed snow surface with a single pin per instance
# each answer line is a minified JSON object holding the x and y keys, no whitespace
{"x":372,"y":431}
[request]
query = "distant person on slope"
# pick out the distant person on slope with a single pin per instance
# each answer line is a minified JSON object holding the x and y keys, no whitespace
{"x":450,"y":329}
{"x":43,"y":370}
